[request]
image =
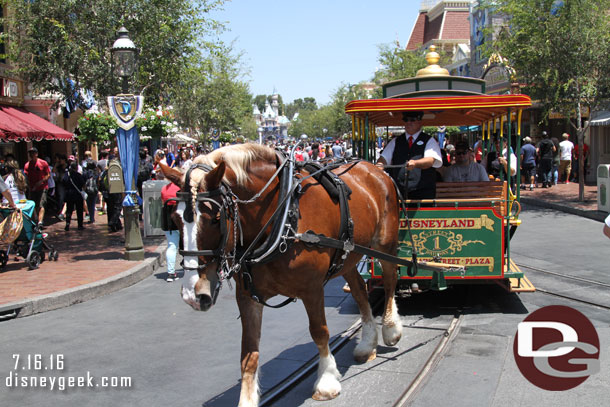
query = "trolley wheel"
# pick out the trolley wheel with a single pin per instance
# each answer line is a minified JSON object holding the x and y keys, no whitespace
{"x":33,"y":260}
{"x":3,"y":258}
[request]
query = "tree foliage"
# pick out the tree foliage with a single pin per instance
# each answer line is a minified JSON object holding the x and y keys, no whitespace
{"x":559,"y":49}
{"x":51,"y":41}
{"x":211,"y":95}
{"x":397,"y":63}
{"x":300,"y":105}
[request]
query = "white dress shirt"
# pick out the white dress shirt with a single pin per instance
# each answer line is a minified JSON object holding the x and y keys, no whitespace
{"x":432,"y":149}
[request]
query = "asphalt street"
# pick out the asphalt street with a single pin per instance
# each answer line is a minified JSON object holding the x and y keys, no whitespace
{"x":175,"y":356}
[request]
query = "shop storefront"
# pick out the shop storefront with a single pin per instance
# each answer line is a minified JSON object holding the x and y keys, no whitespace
{"x":21,"y":128}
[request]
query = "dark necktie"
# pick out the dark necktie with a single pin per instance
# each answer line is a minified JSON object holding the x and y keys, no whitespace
{"x":410,"y":141}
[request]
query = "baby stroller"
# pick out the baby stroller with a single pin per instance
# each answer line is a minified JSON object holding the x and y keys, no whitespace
{"x":23,"y":236}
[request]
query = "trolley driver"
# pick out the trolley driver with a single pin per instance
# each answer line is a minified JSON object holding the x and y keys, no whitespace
{"x":420,"y":154}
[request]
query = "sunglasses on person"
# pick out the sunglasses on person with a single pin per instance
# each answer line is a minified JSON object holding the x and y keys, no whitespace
{"x":411,"y":119}
{"x":461,"y":152}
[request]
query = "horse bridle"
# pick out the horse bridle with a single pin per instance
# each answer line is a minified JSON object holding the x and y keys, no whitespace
{"x":227,"y":209}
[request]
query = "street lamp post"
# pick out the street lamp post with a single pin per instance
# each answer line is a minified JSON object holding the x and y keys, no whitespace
{"x":125,"y":108}
{"x":124,"y":53}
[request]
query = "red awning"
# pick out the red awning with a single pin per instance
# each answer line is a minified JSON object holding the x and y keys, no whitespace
{"x":19,"y":125}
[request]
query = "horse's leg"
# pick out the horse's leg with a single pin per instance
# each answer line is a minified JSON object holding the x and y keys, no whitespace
{"x":251,"y":314}
{"x":327,"y":387}
{"x":391,"y":326}
{"x":366,"y":349}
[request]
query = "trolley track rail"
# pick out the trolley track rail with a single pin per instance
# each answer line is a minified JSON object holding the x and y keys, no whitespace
{"x":567,"y":276}
{"x":594,"y":283}
{"x":567,"y":297}
{"x":410,"y":392}
{"x":275,"y":394}
{"x":300,"y":374}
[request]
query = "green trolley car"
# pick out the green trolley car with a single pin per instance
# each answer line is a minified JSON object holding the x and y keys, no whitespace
{"x":468,"y":224}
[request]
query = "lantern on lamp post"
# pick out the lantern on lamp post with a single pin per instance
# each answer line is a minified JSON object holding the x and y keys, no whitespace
{"x":124,"y":54}
{"x":125,"y":108}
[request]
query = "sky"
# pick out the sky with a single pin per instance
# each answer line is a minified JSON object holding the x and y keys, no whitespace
{"x":308,"y":48}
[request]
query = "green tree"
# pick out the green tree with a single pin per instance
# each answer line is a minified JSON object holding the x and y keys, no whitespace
{"x":211,"y":96}
{"x":559,"y":50}
{"x":52,"y":41}
{"x":259,"y":101}
{"x":345,"y":93}
{"x":299,"y":105}
{"x":398,"y":63}
{"x":248,"y":127}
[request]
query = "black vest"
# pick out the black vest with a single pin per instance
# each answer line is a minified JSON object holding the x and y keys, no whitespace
{"x":421,"y":184}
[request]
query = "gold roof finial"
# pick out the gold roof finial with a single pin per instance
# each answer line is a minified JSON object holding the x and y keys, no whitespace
{"x":433,"y":69}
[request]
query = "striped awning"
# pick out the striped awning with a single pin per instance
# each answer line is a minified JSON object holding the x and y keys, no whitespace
{"x":438,"y":111}
{"x":20,"y":125}
{"x":601,"y":118}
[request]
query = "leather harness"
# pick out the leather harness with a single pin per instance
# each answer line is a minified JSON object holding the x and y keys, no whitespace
{"x":285,"y":225}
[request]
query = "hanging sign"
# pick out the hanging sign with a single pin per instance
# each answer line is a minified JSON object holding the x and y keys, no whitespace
{"x":125,"y":109}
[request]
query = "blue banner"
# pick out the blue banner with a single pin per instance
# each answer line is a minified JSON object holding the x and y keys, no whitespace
{"x":128,"y":142}
{"x":125,"y":109}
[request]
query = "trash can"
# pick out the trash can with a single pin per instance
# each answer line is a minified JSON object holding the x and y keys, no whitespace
{"x":603,"y":187}
{"x":152,"y":207}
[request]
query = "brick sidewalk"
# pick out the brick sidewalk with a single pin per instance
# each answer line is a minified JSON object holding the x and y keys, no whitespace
{"x":566,"y":194}
{"x":85,"y":256}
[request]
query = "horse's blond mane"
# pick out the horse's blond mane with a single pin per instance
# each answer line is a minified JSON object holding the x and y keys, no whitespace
{"x":237,"y":157}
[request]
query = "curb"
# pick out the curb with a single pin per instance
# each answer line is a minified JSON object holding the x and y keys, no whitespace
{"x":595,"y":215}
{"x":75,"y":295}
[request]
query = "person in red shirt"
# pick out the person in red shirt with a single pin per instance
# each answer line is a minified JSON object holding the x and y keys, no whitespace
{"x":172,"y":233}
{"x":576,"y":166}
{"x":38,"y":173}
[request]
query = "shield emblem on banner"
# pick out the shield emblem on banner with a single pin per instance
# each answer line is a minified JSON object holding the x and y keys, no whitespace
{"x":125,"y":109}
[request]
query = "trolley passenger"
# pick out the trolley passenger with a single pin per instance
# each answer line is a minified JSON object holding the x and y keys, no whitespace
{"x":495,"y":163}
{"x":420,"y":154}
{"x":465,"y":168}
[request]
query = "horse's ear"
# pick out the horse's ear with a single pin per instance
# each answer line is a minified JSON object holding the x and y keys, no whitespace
{"x":213,"y":178}
{"x":172,"y":174}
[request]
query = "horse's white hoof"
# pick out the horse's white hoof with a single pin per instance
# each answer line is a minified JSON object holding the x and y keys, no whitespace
{"x":364,"y":353}
{"x":327,"y":388}
{"x":391,"y":334}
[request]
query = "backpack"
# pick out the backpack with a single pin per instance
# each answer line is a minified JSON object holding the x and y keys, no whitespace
{"x":90,"y":186}
{"x":103,"y":181}
{"x":144,"y":172}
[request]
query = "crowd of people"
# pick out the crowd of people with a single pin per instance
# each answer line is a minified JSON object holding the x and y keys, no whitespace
{"x":66,"y":187}
{"x":416,"y":161}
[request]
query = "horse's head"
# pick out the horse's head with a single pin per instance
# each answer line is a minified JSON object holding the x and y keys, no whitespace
{"x":202,"y":217}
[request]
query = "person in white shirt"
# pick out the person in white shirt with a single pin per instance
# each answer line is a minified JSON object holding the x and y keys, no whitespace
{"x":607,"y":226}
{"x":6,"y":194}
{"x":417,"y":154}
{"x":15,"y":181}
{"x":465,"y":168}
{"x":566,"y":149}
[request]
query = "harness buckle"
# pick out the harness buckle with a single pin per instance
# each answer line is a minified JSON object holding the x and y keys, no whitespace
{"x":348,"y":247}
{"x":308,"y":237}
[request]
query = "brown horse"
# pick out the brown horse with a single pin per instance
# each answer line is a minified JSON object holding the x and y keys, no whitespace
{"x":299,"y":272}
